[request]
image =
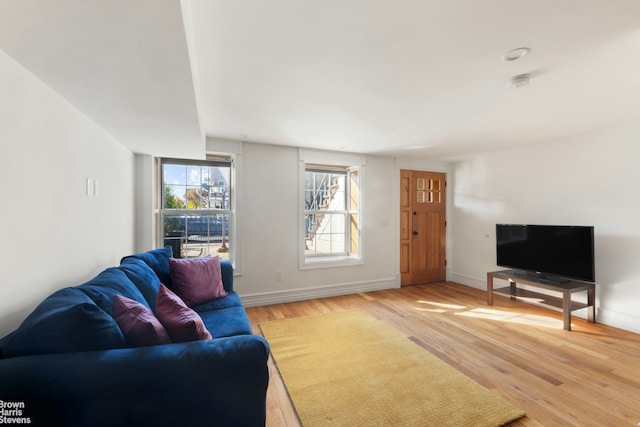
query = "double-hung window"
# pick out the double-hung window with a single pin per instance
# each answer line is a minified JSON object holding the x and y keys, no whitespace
{"x":196,"y":214}
{"x":332,"y":231}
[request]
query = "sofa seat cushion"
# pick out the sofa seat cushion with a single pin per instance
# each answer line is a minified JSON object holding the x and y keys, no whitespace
{"x":226,"y":322}
{"x":109,"y":283}
{"x":66,"y":321}
{"x":231,"y":300}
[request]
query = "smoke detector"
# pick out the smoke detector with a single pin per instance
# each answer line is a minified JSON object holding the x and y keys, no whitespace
{"x":516,"y":82}
{"x":515,"y":54}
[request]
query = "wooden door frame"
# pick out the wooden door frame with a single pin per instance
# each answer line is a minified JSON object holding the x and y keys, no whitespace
{"x":406,"y":271}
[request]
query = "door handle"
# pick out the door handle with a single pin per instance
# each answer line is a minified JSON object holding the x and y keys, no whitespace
{"x":415,"y":233}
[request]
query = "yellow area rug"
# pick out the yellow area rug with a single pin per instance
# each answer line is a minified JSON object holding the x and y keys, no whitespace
{"x":350,"y":369}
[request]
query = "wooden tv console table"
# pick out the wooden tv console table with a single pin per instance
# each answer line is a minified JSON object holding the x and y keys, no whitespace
{"x":563,"y":304}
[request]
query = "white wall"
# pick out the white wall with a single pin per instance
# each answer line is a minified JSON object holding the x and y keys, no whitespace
{"x":53,"y":234}
{"x":269,"y":219}
{"x":587,"y":180}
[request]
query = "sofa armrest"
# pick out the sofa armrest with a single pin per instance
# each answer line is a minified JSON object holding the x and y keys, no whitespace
{"x":212,"y":382}
{"x":226,"y":270}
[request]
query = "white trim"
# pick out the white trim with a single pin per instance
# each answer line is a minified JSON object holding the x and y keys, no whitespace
{"x":159,"y":187}
{"x":144,"y":203}
{"x":223,"y":146}
{"x":300,"y":294}
{"x":235,"y":178}
{"x":328,"y":261}
{"x":361,"y":207}
{"x":233,"y":148}
{"x":616,"y":319}
{"x":469,"y":281}
{"x":331,"y":157}
{"x":237,"y":210}
{"x":301,"y":224}
{"x":305,"y":263}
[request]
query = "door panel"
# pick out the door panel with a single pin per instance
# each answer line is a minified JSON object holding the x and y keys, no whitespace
{"x":405,"y":227}
{"x":424,"y":219}
{"x":405,"y":234}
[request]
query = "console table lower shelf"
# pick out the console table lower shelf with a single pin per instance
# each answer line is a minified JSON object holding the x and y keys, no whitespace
{"x":563,"y":304}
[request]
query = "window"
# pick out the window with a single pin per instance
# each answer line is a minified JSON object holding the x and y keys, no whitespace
{"x":331,"y":213}
{"x":197,"y":207}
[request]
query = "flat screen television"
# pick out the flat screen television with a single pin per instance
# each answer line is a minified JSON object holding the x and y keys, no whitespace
{"x":553,"y":252}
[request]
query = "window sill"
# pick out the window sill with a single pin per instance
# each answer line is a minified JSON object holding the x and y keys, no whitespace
{"x":328,"y":262}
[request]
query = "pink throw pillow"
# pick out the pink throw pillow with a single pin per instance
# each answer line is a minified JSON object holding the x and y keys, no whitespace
{"x":182,"y":323}
{"x":138,"y":324}
{"x":197,"y":280}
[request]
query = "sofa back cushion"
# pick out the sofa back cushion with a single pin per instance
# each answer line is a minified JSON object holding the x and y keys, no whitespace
{"x":143,"y":277}
{"x":66,"y":321}
{"x":109,"y":283}
{"x":158,"y":260}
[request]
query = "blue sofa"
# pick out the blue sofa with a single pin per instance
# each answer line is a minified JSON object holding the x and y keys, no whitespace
{"x":68,"y":363}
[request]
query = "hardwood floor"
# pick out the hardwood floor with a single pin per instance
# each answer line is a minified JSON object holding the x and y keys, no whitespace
{"x":587,"y":377}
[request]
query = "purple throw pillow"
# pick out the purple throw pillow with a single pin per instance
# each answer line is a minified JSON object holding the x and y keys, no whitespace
{"x":182,"y":323}
{"x":197,"y":280}
{"x":138,"y":324}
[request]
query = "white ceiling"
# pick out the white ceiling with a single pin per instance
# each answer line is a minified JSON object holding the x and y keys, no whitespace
{"x":123,"y":63}
{"x":411,"y":78}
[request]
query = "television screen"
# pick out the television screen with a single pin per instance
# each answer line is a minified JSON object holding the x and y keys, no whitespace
{"x":547,"y":250}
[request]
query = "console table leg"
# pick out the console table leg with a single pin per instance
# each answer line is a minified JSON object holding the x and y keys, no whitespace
{"x":591,"y":302}
{"x":512,"y":290}
{"x":489,"y":289}
{"x":566,"y":310}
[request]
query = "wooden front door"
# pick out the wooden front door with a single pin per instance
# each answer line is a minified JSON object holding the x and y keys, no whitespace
{"x":422,"y":227}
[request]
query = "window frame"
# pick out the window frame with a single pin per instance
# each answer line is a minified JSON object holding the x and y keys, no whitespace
{"x":230,"y":210}
{"x":350,"y":164}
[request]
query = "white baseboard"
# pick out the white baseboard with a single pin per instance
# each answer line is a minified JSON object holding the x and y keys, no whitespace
{"x":469,"y":281}
{"x":619,"y":320}
{"x":300,"y":294}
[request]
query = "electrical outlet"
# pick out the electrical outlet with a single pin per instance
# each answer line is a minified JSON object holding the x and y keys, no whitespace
{"x":278,"y":276}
